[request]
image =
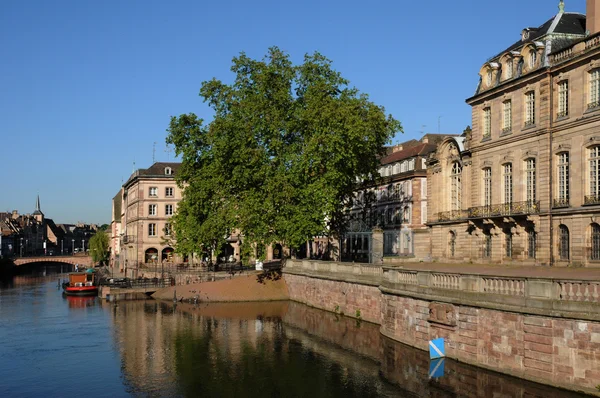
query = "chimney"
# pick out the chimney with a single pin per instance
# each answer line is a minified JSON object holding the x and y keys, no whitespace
{"x":592,"y":23}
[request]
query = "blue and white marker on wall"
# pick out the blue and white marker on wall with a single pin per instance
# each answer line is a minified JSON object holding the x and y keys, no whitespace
{"x":436,"y":348}
{"x":436,"y":368}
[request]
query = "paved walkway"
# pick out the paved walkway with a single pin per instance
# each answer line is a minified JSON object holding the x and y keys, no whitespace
{"x":510,"y":270}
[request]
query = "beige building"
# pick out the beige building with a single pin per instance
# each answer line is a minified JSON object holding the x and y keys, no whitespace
{"x":149,"y":199}
{"x":396,"y":204}
{"x":524,"y":186}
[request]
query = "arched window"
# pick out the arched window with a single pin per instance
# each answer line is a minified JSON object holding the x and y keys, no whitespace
{"x":595,"y":249}
{"x":452,"y":243}
{"x":456,"y":186}
{"x":563,"y":242}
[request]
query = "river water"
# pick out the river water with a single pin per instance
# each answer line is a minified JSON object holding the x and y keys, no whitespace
{"x":55,"y":346}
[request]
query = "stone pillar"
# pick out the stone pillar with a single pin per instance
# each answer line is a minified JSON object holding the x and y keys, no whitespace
{"x":377,"y":243}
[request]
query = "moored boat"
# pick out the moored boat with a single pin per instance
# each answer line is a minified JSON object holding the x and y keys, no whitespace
{"x":81,"y":284}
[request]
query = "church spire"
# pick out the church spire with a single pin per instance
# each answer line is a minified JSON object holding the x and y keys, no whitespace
{"x":37,"y":204}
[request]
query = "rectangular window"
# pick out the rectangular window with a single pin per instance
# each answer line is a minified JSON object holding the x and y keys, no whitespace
{"x":487,"y":123}
{"x":406,"y":215}
{"x":507,"y":116}
{"x":487,"y":186}
{"x":563,"y":179}
{"x":594,"y":163}
{"x":509,"y":69}
{"x":508,"y":244}
{"x":508,"y":183}
{"x":594,"y":89}
{"x":530,"y":180}
{"x":563,"y":98}
{"x":151,"y":210}
{"x":151,"y":229}
{"x":167,"y":229}
{"x":531,"y":243}
{"x":487,"y":245}
{"x":169,"y":192}
{"x":168,"y":210}
{"x":529,"y":108}
{"x":153,"y":192}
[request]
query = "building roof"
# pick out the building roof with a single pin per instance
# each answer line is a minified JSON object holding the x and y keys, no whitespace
{"x":156,"y":170}
{"x":559,"y":26}
{"x":406,"y":153}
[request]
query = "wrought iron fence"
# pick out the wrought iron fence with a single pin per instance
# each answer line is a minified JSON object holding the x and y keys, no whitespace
{"x":561,"y":202}
{"x":591,"y":200}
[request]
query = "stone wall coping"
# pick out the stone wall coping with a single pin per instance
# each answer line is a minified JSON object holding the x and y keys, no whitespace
{"x":557,"y":297}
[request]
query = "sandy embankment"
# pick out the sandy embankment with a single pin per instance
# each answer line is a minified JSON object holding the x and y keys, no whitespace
{"x":249,"y":287}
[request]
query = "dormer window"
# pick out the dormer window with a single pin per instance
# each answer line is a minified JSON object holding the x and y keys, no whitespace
{"x":168,"y":171}
{"x":532,"y":59}
{"x":509,"y":69}
{"x":489,"y":77}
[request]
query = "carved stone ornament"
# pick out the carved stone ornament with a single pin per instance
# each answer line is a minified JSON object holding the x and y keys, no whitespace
{"x":442,"y":313}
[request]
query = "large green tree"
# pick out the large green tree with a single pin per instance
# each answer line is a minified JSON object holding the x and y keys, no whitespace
{"x":99,"y":246}
{"x":282,"y":154}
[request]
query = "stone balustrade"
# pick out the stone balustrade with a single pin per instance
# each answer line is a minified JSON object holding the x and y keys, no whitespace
{"x":522,"y":294}
{"x":554,"y":289}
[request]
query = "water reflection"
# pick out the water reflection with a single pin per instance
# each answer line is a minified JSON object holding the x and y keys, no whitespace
{"x":283,"y":349}
{"x":81,"y":302}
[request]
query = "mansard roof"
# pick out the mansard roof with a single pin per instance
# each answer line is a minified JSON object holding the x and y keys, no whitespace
{"x":563,"y":23}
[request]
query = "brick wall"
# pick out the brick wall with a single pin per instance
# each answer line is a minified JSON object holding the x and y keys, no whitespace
{"x":336,"y":296}
{"x":550,"y":350}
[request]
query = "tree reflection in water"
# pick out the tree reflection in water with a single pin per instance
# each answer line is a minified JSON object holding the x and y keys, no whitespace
{"x":283,"y":349}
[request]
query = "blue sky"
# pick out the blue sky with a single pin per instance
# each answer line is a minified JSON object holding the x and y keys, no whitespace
{"x":87,"y":87}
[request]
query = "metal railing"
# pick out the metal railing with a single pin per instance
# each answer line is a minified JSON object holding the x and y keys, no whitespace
{"x":591,"y":200}
{"x":128,"y":283}
{"x":498,"y":210}
{"x":560,"y":203}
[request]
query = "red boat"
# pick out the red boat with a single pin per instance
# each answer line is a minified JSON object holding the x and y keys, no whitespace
{"x":81,"y":284}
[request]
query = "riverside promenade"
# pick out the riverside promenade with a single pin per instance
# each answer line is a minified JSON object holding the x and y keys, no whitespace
{"x":536,"y":323}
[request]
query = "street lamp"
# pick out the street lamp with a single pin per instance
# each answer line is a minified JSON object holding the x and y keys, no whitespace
{"x":83,"y":245}
{"x":73,"y":248}
{"x":21,"y":247}
{"x":61,"y":247}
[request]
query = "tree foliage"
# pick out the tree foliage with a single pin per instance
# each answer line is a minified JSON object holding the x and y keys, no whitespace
{"x":99,"y":246}
{"x":283,"y":152}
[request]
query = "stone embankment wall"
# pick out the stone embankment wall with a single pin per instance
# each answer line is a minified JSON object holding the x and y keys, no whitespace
{"x":352,"y":290}
{"x":538,"y":329}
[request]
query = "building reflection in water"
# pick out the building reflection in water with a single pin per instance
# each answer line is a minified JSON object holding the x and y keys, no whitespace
{"x":282,"y":349}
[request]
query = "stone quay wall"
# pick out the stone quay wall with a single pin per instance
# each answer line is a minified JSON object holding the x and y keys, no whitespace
{"x":538,"y":329}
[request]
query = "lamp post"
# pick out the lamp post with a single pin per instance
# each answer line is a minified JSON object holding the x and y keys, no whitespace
{"x":73,"y":248}
{"x":61,"y":247}
{"x":83,"y":245}
{"x":26,"y":246}
{"x":21,"y":247}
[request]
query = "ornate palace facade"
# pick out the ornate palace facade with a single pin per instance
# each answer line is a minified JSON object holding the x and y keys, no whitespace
{"x":524,"y":186}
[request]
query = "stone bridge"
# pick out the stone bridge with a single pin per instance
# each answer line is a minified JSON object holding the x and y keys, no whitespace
{"x":82,"y":260}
